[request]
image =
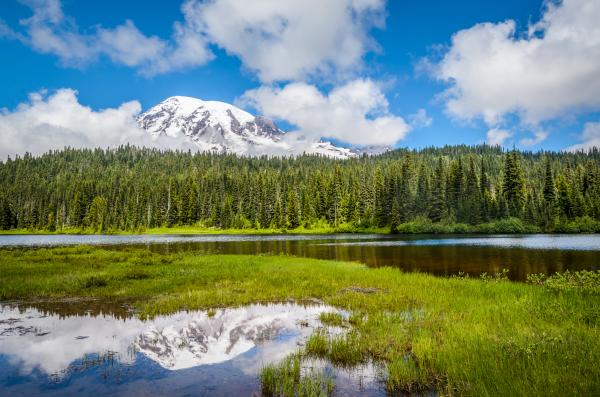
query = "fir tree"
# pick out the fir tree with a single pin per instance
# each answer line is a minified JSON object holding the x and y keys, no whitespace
{"x":513,"y":187}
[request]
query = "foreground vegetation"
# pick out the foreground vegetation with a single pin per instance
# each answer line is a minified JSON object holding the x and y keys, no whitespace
{"x":459,"y":336}
{"x":454,"y":188}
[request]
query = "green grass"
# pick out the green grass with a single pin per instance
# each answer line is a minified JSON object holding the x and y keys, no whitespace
{"x":319,"y":229}
{"x":459,"y":336}
{"x":416,"y":226}
{"x":332,"y":318}
{"x":287,"y":379}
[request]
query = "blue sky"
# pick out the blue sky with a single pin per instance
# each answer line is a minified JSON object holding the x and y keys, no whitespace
{"x":415,"y":77}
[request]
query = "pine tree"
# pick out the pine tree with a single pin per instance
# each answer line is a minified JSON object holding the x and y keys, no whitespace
{"x":292,"y":211}
{"x":549,"y":195}
{"x":472,"y":197}
{"x":438,"y":200}
{"x":487,"y":200}
{"x":423,"y":192}
{"x":513,"y":187}
{"x":396,"y":217}
{"x":455,"y":190}
{"x":381,"y":213}
{"x":96,"y":216}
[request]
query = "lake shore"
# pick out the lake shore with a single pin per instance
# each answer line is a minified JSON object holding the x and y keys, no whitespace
{"x":509,"y":338}
{"x":419,"y":226}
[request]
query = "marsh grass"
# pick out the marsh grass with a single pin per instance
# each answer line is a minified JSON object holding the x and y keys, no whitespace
{"x":456,"y":336}
{"x":332,"y":318}
{"x":288,"y":379}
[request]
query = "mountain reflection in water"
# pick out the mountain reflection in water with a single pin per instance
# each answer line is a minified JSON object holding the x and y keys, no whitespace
{"x":186,"y":353}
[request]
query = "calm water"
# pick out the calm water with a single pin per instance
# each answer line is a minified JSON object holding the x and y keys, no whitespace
{"x":437,"y":254}
{"x":102,"y":349}
{"x":46,"y":352}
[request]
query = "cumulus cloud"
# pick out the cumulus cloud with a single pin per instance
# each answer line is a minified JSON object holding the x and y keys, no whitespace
{"x":590,"y":137}
{"x":279,"y":40}
{"x":538,"y":137}
{"x":54,"y":121}
{"x":356,"y":112}
{"x":497,"y":136}
{"x":493,"y":71}
{"x":291,"y":40}
{"x":420,"y":119}
{"x":50,"y":31}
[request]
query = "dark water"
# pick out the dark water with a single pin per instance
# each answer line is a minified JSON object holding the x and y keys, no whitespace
{"x":45,"y":352}
{"x":437,"y":254}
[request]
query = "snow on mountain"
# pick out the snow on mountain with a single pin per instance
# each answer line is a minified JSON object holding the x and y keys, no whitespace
{"x":227,"y":334}
{"x":220,"y":127}
{"x":36,"y":341}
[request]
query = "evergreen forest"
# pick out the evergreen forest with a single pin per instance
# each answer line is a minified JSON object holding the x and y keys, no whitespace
{"x":454,"y":188}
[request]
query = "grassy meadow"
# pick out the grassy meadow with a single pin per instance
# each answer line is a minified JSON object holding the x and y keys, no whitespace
{"x":457,"y":336}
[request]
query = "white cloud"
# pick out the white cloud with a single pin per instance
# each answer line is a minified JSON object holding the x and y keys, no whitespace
{"x":356,"y":113}
{"x":127,"y":45}
{"x":279,"y":40}
{"x":420,"y":119}
{"x":7,"y":33}
{"x":538,"y":137}
{"x":54,"y":121}
{"x":288,"y":39}
{"x":49,"y":31}
{"x":590,"y":137}
{"x":497,"y":136}
{"x":553,"y":69}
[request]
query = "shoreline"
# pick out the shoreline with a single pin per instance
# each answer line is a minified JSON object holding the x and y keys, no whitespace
{"x":514,"y":226}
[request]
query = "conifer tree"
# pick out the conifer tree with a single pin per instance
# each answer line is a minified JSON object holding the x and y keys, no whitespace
{"x":513,"y":187}
{"x":292,"y":210}
{"x":438,"y":199}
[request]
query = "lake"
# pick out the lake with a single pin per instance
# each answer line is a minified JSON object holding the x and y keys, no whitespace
{"x":83,"y":347}
{"x":64,"y":350}
{"x":442,"y":255}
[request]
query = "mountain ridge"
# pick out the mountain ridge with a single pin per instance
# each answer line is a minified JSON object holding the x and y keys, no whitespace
{"x":214,"y":126}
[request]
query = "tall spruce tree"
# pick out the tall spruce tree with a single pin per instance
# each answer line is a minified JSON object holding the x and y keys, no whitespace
{"x":437,"y":211}
{"x":513,"y":187}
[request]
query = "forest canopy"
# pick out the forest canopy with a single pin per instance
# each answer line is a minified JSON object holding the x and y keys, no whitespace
{"x":131,"y":189}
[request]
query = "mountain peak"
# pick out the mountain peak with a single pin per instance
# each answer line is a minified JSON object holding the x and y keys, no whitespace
{"x":221,"y":127}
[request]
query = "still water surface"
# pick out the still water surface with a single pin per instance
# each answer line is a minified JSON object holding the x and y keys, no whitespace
{"x":97,"y":348}
{"x":63,"y":352}
{"x":437,"y":254}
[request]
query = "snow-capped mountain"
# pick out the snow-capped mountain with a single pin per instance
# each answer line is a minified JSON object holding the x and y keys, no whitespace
{"x":221,"y":127}
{"x":206,"y":339}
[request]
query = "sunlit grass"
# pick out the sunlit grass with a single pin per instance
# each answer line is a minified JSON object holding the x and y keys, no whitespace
{"x":457,"y":336}
{"x":288,"y":379}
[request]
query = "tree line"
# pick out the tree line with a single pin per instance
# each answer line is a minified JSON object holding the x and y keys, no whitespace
{"x":130,"y":188}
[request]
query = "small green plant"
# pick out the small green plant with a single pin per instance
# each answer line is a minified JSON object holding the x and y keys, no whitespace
{"x":406,"y":376}
{"x":345,"y":350}
{"x":318,"y":343}
{"x":460,"y":276}
{"x":356,"y":319}
{"x":583,"y":281}
{"x":95,"y":281}
{"x":286,"y":379}
{"x":136,"y":274}
{"x":332,"y":319}
{"x":502,"y":275}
